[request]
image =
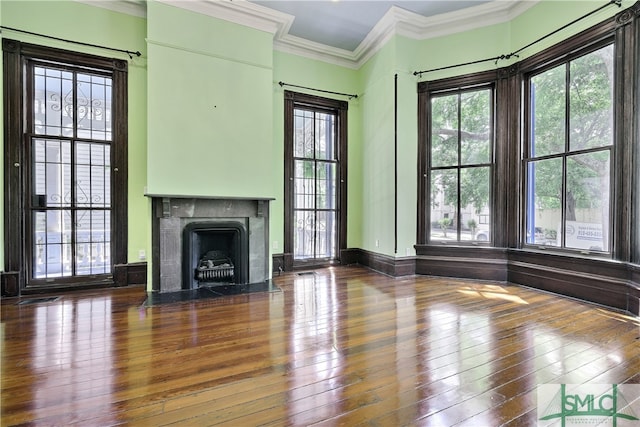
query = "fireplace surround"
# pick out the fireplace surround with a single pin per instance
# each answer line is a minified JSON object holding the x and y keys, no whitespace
{"x":186,"y":227}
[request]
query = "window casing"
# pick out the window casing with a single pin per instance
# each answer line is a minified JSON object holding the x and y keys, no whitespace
{"x":44,"y":153}
{"x":315,"y":217}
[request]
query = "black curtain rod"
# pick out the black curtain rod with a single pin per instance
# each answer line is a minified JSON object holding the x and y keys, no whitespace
{"x":128,"y":52}
{"x":318,"y":90}
{"x":515,"y":53}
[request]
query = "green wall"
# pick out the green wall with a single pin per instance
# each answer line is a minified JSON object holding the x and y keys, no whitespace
{"x":209,"y":106}
{"x":209,"y":85}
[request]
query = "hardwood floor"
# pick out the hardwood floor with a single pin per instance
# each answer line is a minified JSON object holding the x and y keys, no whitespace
{"x":343,"y":346}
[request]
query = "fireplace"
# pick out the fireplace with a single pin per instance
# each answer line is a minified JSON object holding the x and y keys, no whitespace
{"x":206,"y":242}
{"x":214,"y":253}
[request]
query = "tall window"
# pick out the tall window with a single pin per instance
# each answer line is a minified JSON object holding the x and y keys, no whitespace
{"x":316,"y":177}
{"x":70,"y":132}
{"x":314,"y":188}
{"x":460,"y":164}
{"x":66,"y":157}
{"x":569,"y":153}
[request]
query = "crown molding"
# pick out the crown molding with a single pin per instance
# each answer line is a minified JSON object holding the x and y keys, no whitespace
{"x":240,"y":12}
{"x":498,"y":11}
{"x":396,"y":21}
{"x":317,"y":51}
{"x":414,"y":26}
{"x":130,"y":7}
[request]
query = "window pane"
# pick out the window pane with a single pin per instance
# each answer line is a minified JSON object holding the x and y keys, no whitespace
{"x":548,"y":112}
{"x":444,"y":200}
{"x":444,"y":131}
{"x":325,"y":136}
{"x":587,"y":201}
{"x":304,"y":238}
{"x":51,"y":173}
{"x":544,"y":202}
{"x":94,"y":107}
{"x":53,"y":102}
{"x":325,"y":234}
{"x":591,"y":100}
{"x":326,"y":185}
{"x":475,"y":127}
{"x":474,"y":202}
{"x":303,"y":138}
{"x":51,"y":244}
{"x":304,"y":184}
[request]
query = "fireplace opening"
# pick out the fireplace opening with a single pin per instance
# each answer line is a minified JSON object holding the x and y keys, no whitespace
{"x":214,"y":253}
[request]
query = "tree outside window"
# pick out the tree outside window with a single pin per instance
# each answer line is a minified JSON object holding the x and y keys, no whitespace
{"x":461,"y":144}
{"x":567,"y":162}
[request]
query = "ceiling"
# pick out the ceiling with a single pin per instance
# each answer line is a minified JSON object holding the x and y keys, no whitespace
{"x":344,"y":24}
{"x":343,"y":32}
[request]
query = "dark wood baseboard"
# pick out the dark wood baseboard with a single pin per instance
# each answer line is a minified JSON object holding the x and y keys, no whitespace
{"x":10,"y":283}
{"x":123,"y":275}
{"x":385,"y":264}
{"x":601,"y":281}
{"x":136,"y":273}
{"x":277,"y":264}
{"x":465,"y":262}
{"x":634,"y":285}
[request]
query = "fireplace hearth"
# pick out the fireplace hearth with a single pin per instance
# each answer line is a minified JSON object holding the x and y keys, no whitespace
{"x":206,"y":242}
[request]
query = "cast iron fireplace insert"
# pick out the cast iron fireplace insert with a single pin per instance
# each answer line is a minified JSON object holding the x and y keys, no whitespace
{"x":214,"y":253}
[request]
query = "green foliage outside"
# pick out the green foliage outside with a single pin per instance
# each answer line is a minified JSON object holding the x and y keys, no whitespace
{"x":572,"y":111}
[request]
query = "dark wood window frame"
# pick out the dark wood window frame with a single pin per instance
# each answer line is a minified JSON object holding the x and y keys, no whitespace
{"x":340,"y":108}
{"x":426,"y":90}
{"x":15,"y":55}
{"x":624,"y":31}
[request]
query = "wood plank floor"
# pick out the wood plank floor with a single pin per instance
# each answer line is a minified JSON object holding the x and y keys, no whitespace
{"x":342,"y":346}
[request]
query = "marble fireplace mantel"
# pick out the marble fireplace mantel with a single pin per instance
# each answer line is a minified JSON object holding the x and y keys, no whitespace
{"x":172,"y":213}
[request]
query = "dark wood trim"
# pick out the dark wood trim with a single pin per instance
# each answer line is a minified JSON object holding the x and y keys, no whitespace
{"x":119,"y":166}
{"x":634,"y":285}
{"x":467,"y":262}
{"x":13,"y":160}
{"x":339,"y":107}
{"x":10,"y":283}
{"x":137,"y":273}
{"x":381,"y":263}
{"x":625,"y":116}
{"x":350,"y":256}
{"x":426,"y":89}
{"x":288,"y":172}
{"x":635,"y":179}
{"x":602,"y":281}
{"x":424,"y":124}
{"x":16,"y":54}
{"x":395,"y":267}
{"x":277,"y":264}
{"x":506,"y":177}
{"x":288,"y":261}
{"x":395,"y":163}
{"x":130,"y":274}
